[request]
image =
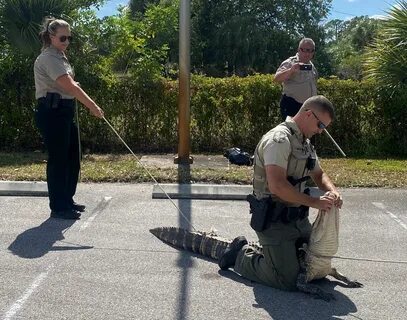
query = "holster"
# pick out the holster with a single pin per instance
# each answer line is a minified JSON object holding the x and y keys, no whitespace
{"x":259,"y":210}
{"x":52,"y":100}
{"x":266,"y":211}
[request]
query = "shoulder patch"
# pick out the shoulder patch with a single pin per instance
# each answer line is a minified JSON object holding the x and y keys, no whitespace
{"x":280,"y":137}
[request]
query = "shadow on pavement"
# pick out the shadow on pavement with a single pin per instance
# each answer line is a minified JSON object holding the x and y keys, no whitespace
{"x":184,"y":261}
{"x":38,"y":241}
{"x":297,"y":305}
{"x":283,"y":305}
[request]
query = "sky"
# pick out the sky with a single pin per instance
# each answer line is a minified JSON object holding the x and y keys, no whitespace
{"x":341,"y":9}
{"x":347,"y":9}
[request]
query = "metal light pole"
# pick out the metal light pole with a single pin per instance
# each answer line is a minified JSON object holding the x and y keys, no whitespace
{"x":183,"y":156}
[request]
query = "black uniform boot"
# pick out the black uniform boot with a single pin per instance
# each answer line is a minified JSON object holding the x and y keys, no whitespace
{"x":78,"y":207}
{"x":228,"y":257}
{"x":66,"y":214}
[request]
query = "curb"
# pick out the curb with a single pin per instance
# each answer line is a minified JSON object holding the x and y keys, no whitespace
{"x":174,"y":191}
{"x":202,"y":191}
{"x":23,"y":188}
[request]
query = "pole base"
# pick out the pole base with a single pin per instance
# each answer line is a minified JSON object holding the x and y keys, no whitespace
{"x":183,"y":160}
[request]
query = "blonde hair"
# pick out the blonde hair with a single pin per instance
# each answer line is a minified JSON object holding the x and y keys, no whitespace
{"x":50,"y":27}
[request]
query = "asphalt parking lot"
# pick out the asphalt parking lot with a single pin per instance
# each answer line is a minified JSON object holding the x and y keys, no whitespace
{"x":108,"y":266}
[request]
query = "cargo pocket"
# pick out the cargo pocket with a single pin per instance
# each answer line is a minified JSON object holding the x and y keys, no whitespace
{"x":280,"y":255}
{"x":271,"y":236}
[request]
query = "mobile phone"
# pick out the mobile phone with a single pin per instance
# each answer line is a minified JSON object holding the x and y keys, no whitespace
{"x":306,"y":67}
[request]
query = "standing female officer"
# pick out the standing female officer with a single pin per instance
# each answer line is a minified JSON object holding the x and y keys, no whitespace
{"x":55,"y":91}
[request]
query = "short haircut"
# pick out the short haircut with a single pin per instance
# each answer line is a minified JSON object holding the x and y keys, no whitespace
{"x":319,"y":103}
{"x":306,"y":40}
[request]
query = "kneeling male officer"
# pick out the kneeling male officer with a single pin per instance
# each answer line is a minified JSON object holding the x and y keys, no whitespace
{"x":283,"y":159}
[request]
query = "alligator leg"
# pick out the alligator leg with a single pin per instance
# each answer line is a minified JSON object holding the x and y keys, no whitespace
{"x":309,"y":288}
{"x":350,"y":283}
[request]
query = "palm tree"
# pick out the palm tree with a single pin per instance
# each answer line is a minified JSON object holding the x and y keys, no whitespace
{"x":386,"y":59}
{"x":20,"y":20}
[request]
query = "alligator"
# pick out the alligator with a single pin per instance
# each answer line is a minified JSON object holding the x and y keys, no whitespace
{"x":314,"y":257}
{"x":319,"y":251}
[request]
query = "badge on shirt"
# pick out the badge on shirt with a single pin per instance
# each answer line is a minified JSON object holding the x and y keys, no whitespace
{"x":280,"y":137}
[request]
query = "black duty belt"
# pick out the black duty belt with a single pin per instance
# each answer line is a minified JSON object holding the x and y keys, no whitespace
{"x":62,"y":103}
{"x":266,"y":211}
{"x":54,"y":101}
{"x":281,"y":212}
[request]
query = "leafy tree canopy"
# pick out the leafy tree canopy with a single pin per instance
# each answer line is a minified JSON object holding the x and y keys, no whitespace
{"x":347,"y":41}
{"x":241,"y":36}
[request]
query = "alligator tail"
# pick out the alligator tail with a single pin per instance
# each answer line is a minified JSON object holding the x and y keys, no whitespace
{"x":207,"y":244}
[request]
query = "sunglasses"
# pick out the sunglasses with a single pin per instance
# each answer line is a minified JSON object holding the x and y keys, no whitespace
{"x":307,"y":50}
{"x":64,"y":38}
{"x":321,"y":125}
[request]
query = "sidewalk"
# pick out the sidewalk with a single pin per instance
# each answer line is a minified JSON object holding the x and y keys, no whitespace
{"x":199,"y":161}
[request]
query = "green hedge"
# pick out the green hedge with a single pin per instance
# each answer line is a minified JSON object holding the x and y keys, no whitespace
{"x":144,"y":114}
{"x":232,"y":111}
{"x":225,"y":112}
{"x":17,"y":129}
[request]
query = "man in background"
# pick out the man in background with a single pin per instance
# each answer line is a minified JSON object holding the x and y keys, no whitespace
{"x":299,"y":78}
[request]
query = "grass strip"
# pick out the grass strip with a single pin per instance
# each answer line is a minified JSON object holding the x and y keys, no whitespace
{"x":378,"y":173}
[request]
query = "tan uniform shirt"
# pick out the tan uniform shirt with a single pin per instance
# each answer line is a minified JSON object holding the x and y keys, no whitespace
{"x":48,"y":67}
{"x":276,"y":148}
{"x":301,"y":85}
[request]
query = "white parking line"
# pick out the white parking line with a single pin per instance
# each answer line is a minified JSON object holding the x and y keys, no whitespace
{"x":98,"y":209}
{"x":392,"y":215}
{"x":30,"y":290}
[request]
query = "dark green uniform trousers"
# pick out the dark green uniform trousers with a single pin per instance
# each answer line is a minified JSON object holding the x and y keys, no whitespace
{"x":60,"y":135}
{"x":278,"y":265}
